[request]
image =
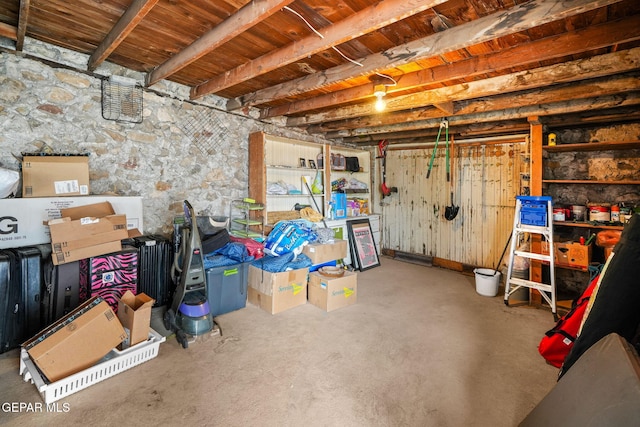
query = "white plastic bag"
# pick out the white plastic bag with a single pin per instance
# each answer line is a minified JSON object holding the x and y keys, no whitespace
{"x":9,"y":181}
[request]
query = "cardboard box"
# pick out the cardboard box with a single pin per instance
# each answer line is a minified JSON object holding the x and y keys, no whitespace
{"x":23,"y":222}
{"x":77,"y":341}
{"x":69,"y":255}
{"x":98,"y":210}
{"x":572,"y":254}
{"x":67,"y":234}
{"x":325,"y":252}
{"x":331,"y":293}
{"x":277,"y":292}
{"x":134,"y":312}
{"x":47,"y":176}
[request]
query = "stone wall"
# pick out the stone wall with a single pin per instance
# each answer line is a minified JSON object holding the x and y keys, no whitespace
{"x":48,"y":101}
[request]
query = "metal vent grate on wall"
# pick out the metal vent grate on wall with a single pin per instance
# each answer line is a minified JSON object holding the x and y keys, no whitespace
{"x":121,"y":100}
{"x":206,"y":131}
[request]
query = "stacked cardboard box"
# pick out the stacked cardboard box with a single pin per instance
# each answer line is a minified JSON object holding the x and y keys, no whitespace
{"x":46,"y":176}
{"x":322,"y":254}
{"x":86,"y":231}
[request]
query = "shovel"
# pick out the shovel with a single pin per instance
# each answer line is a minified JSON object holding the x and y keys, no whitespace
{"x":450,"y":212}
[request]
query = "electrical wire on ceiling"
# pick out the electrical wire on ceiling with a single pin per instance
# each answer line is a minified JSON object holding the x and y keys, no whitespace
{"x":385,"y":76}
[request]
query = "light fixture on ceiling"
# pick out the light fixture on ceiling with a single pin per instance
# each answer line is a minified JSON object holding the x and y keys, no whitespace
{"x":380,"y":91}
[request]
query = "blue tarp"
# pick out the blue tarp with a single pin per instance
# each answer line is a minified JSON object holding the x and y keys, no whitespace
{"x":229,"y":254}
{"x":284,"y":262}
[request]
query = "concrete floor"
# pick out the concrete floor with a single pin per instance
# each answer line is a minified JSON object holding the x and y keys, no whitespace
{"x":420,"y":348}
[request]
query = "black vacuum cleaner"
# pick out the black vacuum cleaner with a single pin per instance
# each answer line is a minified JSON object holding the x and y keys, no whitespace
{"x":189,"y":313}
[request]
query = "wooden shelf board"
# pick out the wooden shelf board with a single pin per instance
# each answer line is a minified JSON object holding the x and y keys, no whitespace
{"x":586,"y":225}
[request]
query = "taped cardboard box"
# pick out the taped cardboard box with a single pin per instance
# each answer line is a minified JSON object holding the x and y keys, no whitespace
{"x":134,"y":312}
{"x":67,"y":234}
{"x":47,"y":176}
{"x":69,"y":255}
{"x":331,"y":293}
{"x":77,"y":341}
{"x":572,"y":254}
{"x":277,"y":292}
{"x":325,"y":252}
{"x":84,"y":233}
{"x":24,"y":222}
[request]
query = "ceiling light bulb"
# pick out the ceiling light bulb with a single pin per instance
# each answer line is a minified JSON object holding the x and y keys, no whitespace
{"x":380,"y":91}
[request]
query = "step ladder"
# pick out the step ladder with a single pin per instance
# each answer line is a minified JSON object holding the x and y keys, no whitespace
{"x":534,"y":215}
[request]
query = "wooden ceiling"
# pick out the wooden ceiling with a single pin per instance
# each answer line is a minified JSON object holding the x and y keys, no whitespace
{"x":487,"y":66}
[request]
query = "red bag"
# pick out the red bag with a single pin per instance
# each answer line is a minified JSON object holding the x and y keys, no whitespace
{"x":255,"y":248}
{"x":557,"y":342}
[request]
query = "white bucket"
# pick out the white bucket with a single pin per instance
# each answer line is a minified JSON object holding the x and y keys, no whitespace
{"x":487,"y":281}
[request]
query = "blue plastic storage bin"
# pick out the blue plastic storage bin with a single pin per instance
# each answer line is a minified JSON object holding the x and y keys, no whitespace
{"x":534,"y":210}
{"x":227,"y":288}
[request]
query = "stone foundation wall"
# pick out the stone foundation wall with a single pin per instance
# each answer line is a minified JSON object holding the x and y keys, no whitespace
{"x":49,"y":102}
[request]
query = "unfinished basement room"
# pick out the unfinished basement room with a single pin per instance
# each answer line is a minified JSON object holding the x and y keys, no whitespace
{"x":348,"y":213}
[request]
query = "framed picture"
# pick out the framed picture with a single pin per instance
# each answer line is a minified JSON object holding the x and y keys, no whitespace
{"x":364,"y":254}
{"x":302,"y":163}
{"x":312,"y":163}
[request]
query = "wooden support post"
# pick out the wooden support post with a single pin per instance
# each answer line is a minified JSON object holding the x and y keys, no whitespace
{"x":535,"y":269}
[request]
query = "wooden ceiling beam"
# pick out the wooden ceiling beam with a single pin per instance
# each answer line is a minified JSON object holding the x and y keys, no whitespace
{"x":596,"y":66}
{"x":519,"y":18}
{"x":550,"y":109}
{"x":366,"y":21}
{"x":23,"y":21}
{"x":248,"y":16}
{"x":588,"y":88}
{"x":427,"y":135}
{"x":571,"y":43}
{"x":127,"y":23}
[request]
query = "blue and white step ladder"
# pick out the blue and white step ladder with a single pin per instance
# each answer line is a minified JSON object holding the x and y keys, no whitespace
{"x":533,"y":215}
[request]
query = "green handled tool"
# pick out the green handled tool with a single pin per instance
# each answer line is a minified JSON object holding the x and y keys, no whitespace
{"x":443,"y":124}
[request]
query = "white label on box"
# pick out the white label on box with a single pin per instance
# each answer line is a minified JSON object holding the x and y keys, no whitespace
{"x":89,"y":220}
{"x":84,"y":190}
{"x":67,"y":187}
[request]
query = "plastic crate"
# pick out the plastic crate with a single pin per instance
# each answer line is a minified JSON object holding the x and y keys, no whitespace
{"x":533,"y":210}
{"x":113,"y":363}
{"x":227,"y":287}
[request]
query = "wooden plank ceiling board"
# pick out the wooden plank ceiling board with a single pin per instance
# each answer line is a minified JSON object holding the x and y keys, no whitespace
{"x":482,"y":64}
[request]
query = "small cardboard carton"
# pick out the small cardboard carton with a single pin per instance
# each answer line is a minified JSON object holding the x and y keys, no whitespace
{"x":77,"y":341}
{"x":325,"y":252}
{"x":86,"y":231}
{"x":67,"y":234}
{"x":572,"y":254}
{"x":70,"y":255}
{"x":277,"y":292}
{"x":51,"y":176}
{"x":98,"y":210}
{"x":134,"y":312}
{"x":25,"y":221}
{"x":331,"y":293}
